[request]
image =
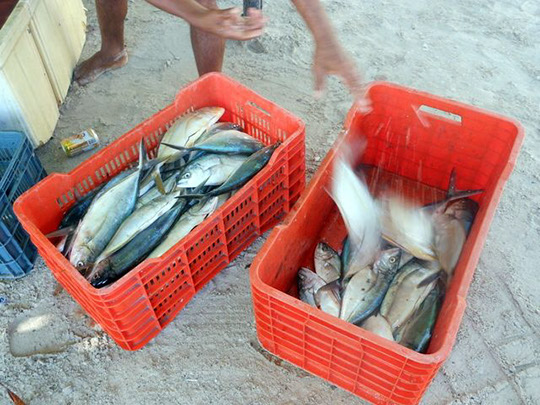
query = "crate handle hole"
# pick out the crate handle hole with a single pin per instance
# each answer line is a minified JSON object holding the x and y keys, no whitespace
{"x":251,"y":103}
{"x":440,"y":113}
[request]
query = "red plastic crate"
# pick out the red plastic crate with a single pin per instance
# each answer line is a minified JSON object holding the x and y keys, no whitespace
{"x":409,"y":144}
{"x":136,"y":308}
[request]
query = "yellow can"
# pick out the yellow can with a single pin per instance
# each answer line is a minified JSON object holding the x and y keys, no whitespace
{"x":77,"y":144}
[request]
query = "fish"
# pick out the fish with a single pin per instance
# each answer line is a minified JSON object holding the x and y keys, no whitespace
{"x":407,"y":226}
{"x":187,"y":130}
{"x":450,"y":236}
{"x":218,"y":127}
{"x":104,"y":216}
{"x":416,"y":333}
{"x":367,"y":288}
{"x":214,"y":169}
{"x":360,"y":213}
{"x":226,"y":142}
{"x":247,"y":170}
{"x":427,"y":232}
{"x":308,"y":285}
{"x":464,"y":210}
{"x":122,"y":260}
{"x":327,"y":263}
{"x":345,"y":254}
{"x":328,"y":298}
{"x":77,"y":211}
{"x":139,"y":220}
{"x":451,"y":228}
{"x":187,"y":222}
{"x":378,"y":325}
{"x":408,"y":290}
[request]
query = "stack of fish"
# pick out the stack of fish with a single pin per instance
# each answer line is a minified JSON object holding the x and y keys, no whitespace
{"x":396,"y":261}
{"x":144,"y":211}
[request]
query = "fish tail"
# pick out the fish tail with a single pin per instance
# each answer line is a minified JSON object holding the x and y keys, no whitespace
{"x":62,"y":232}
{"x":454,"y":194}
{"x":196,"y":192}
{"x":180,"y":148}
{"x":143,"y":157}
{"x":156,"y":175}
{"x":458,"y":195}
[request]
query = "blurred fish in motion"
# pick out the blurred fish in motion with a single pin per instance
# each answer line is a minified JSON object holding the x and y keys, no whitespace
{"x":359,"y":212}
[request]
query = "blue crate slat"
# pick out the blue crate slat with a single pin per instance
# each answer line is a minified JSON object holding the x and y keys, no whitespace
{"x":20,"y":169}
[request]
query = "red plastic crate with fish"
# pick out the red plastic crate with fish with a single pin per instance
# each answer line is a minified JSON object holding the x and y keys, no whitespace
{"x":414,"y":141}
{"x":137,"y":307}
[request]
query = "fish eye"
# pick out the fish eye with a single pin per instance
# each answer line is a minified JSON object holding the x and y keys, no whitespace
{"x":187,"y":175}
{"x":393,"y":260}
{"x":80,"y":265}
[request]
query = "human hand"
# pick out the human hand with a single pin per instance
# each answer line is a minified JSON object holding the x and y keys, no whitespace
{"x":229,"y":24}
{"x":331,"y":59}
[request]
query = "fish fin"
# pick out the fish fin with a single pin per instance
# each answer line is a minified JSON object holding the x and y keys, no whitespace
{"x":142,"y":155}
{"x":452,"y":183}
{"x":61,"y":232}
{"x":93,"y":270}
{"x":431,"y":278}
{"x":180,"y":148}
{"x":196,"y":192}
{"x":156,"y":175}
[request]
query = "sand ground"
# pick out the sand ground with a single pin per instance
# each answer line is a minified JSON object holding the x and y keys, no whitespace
{"x":475,"y":51}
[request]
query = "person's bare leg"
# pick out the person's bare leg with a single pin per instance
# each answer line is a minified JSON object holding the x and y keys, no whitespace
{"x":111,"y":16}
{"x":208,"y":49}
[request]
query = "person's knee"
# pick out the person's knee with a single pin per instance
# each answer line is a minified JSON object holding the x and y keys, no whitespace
{"x":208,"y":3}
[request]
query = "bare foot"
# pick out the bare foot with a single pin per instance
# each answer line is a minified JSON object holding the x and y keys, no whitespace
{"x":92,"y":68}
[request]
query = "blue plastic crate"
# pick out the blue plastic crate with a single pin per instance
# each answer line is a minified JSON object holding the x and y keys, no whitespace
{"x":20,"y":169}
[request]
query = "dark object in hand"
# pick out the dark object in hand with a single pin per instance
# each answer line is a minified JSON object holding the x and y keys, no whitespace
{"x":252,"y":4}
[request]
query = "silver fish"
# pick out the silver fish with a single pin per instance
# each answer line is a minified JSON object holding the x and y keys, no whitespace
{"x":416,"y":332}
{"x":450,"y":236}
{"x":367,"y":288}
{"x":328,"y":298}
{"x":139,"y":220}
{"x":193,"y":217}
{"x":327,"y":263}
{"x":408,"y":291}
{"x":188,"y":129}
{"x":215,"y":169}
{"x":415,"y":228}
{"x":218,"y":127}
{"x":378,"y":325}
{"x":104,"y":216}
{"x":451,"y":229}
{"x":308,"y":284}
{"x":121,"y":261}
{"x":226,"y":142}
